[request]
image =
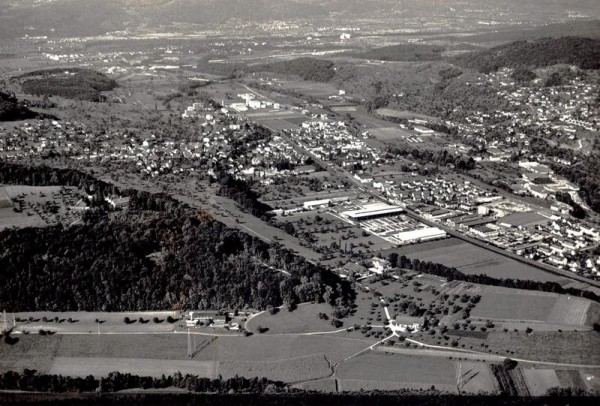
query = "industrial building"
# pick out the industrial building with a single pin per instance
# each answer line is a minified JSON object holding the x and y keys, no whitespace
{"x":420,"y":235}
{"x":316,"y":204}
{"x":373,"y":211}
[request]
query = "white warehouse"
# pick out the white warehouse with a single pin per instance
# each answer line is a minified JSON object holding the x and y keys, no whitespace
{"x":419,"y":235}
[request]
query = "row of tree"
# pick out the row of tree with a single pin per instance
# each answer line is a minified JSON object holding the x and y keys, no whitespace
{"x":31,"y":381}
{"x":454,"y":274}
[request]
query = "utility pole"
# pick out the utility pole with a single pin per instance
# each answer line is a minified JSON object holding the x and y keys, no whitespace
{"x":190,"y":354}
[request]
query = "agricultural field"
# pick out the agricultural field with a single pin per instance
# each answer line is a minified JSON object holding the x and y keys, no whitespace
{"x":288,"y":370}
{"x":498,"y":304}
{"x":563,"y":347}
{"x":321,"y":385}
{"x":386,"y":112}
{"x":292,"y":358}
{"x":476,"y":377}
{"x":397,"y":370}
{"x":540,"y":380}
{"x":84,"y":366}
{"x":473,"y":260}
{"x":9,"y":218}
{"x":314,"y":89}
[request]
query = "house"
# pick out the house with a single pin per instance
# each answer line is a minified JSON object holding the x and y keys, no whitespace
{"x":407,"y":323}
{"x":117,"y":202}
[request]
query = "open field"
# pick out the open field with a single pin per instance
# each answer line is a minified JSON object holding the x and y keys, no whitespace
{"x":540,"y":380}
{"x":565,"y":347}
{"x":304,"y":319}
{"x":476,"y":377}
{"x":289,"y":370}
{"x":98,"y":367}
{"x":9,"y":218}
{"x":296,"y":356}
{"x":386,"y":112}
{"x":396,"y":134}
{"x":399,"y":371}
{"x":308,"y":88}
{"x":474,"y":260}
{"x":321,"y":385}
{"x":499,"y":304}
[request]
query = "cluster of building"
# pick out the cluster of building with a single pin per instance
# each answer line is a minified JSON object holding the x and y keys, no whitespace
{"x":560,"y":112}
{"x":250,"y":103}
{"x":540,"y":181}
{"x":333,"y":141}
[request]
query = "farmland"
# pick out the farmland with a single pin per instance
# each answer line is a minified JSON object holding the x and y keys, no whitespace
{"x":99,"y":367}
{"x":288,"y":370}
{"x":376,"y":370}
{"x":540,"y":380}
{"x":474,"y":260}
{"x":499,"y":304}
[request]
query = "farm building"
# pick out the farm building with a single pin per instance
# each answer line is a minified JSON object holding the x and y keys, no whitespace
{"x":420,"y":235}
{"x":5,"y":201}
{"x":373,"y":211}
{"x":196,"y":317}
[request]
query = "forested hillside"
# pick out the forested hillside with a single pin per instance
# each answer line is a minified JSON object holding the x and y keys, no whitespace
{"x":11,"y":109}
{"x":153,"y":260}
{"x":80,"y":84}
{"x":159,"y":254}
{"x":582,"y":52}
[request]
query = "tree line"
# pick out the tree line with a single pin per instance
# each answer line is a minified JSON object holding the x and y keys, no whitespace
{"x":32,"y":381}
{"x":454,"y":274}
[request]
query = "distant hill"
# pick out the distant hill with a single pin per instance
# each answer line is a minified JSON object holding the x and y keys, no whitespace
{"x":11,"y":109}
{"x":67,"y":18}
{"x":582,"y":52}
{"x":72,"y":83}
{"x":586,"y":29}
{"x":317,"y":70}
{"x":403,"y":53}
